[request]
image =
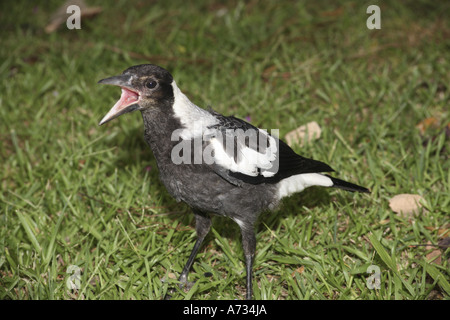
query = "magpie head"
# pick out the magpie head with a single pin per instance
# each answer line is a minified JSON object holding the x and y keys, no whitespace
{"x":143,"y":86}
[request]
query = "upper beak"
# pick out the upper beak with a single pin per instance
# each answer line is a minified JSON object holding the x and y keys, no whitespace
{"x":128,"y":100}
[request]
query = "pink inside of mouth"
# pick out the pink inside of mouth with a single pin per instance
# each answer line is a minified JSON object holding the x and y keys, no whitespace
{"x":127,"y":98}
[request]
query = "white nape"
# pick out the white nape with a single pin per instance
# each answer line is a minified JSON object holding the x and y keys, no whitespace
{"x":194,"y":119}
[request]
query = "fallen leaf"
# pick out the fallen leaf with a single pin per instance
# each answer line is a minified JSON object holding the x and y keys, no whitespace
{"x":268,"y":72}
{"x":81,"y":163}
{"x":430,"y":122}
{"x":172,"y":275}
{"x":406,"y":204}
{"x":272,"y":72}
{"x":435,"y":255}
{"x":272,"y":278}
{"x":441,"y":231}
{"x":299,"y":270}
{"x":431,"y":128}
{"x":305,"y":133}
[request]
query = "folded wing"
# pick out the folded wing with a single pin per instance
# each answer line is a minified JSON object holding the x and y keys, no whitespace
{"x":244,"y":153}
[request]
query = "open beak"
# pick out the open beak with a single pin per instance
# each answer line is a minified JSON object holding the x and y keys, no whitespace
{"x":128,"y":100}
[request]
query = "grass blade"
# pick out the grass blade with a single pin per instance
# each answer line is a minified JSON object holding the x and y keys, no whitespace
{"x":29,"y":229}
{"x":51,"y":246}
{"x":436,"y":275}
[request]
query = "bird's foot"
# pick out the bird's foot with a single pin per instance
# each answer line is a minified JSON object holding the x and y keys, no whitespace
{"x":183,"y":285}
{"x":186,"y":286}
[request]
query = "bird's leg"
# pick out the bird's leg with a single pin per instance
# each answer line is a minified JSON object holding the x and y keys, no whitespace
{"x":202,"y":226}
{"x":249,"y":266}
{"x":249,"y":246}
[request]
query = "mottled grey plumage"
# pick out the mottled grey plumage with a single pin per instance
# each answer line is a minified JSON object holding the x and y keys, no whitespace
{"x":239,"y":186}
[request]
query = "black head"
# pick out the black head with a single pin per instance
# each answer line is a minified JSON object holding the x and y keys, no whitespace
{"x":143,"y":86}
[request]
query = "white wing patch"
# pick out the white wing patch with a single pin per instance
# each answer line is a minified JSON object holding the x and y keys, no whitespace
{"x":238,"y":157}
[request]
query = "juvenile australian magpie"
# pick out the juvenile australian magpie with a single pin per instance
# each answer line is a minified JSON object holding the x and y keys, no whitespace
{"x":216,"y":164}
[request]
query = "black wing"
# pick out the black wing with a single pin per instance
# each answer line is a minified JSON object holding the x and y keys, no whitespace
{"x":257,"y":164}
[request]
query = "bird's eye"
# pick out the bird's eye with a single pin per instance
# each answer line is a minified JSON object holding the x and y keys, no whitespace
{"x":151,"y":84}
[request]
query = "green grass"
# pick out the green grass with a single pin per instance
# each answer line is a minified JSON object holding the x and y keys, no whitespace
{"x":73,"y":193}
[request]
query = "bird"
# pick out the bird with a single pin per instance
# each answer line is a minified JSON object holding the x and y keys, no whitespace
{"x":216,"y":164}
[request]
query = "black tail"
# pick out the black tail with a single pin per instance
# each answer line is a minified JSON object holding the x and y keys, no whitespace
{"x":344,"y":185}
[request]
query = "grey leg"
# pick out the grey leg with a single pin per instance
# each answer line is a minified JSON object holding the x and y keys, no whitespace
{"x":202,"y":226}
{"x":249,"y":246}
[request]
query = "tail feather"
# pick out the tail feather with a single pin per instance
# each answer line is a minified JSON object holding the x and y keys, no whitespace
{"x":344,"y":185}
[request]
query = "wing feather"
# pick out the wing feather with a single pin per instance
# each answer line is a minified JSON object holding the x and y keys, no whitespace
{"x":242,"y":152}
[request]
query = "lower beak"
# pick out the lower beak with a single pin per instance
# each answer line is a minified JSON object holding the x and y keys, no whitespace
{"x":128,"y":101}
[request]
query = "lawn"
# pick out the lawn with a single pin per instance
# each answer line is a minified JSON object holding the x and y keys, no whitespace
{"x":82,"y":205}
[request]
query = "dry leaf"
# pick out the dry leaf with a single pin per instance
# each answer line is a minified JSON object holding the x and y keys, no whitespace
{"x":172,"y":275}
{"x":435,"y":255}
{"x":406,"y":204}
{"x":430,"y":122}
{"x":431,"y":128}
{"x":441,"y":231}
{"x":306,"y":133}
{"x":299,"y":270}
{"x":266,"y":74}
